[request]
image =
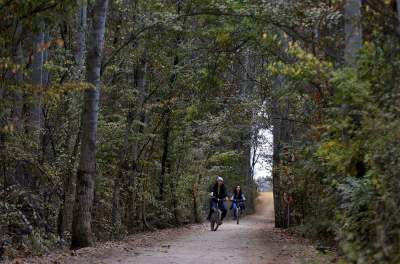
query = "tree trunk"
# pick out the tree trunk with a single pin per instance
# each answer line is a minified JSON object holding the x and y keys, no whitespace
{"x":28,"y":177}
{"x":353,"y":41}
{"x":276,"y":179}
{"x":353,"y":31}
{"x":282,"y":132}
{"x":164,"y":158}
{"x":18,"y":96}
{"x":246,"y":86}
{"x":81,"y":39}
{"x":115,"y":214}
{"x":69,"y":191}
{"x":81,"y":228}
{"x":70,"y":180}
{"x":46,"y":132}
{"x":166,"y":135}
{"x":245,"y":70}
{"x":140,"y":83}
{"x":35,"y":110}
{"x":45,"y":74}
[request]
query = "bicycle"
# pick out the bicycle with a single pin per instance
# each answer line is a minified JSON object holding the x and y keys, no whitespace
{"x":238,"y":209}
{"x":215,"y":219}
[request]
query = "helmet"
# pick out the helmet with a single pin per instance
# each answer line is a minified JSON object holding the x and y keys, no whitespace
{"x":219,"y":178}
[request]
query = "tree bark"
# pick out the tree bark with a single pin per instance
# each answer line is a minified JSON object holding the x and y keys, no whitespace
{"x":81,"y":230}
{"x":353,"y":31}
{"x":70,"y":179}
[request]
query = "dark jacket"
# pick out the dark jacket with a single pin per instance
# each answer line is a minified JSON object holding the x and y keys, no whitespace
{"x":221,"y":194}
{"x":238,"y":196}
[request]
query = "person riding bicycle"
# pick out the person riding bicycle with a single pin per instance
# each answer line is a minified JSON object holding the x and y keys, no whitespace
{"x":237,"y":200}
{"x":218,"y":191}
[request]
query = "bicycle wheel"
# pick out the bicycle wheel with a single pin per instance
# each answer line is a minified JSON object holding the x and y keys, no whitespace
{"x":212,"y":221}
{"x":217,"y":219}
{"x":237,"y":215}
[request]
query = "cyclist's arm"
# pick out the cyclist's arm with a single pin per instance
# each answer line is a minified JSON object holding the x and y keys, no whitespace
{"x":225,"y":195}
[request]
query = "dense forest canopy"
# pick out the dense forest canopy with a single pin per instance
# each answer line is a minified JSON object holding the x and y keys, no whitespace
{"x":117,"y":115}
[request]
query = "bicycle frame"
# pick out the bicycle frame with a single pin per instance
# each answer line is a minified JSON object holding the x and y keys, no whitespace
{"x":215,"y":215}
{"x":238,"y":208}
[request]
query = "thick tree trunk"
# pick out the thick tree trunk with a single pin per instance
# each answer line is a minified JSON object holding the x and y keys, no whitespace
{"x":70,"y":177}
{"x":353,"y":31}
{"x":81,"y":228}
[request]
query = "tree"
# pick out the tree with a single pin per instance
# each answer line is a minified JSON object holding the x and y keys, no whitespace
{"x":353,"y":31}
{"x":81,"y":229}
{"x":19,"y":78}
{"x":35,"y":119}
{"x":70,"y":178}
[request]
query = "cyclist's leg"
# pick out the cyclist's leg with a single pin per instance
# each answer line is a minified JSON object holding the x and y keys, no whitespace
{"x":234,"y":206}
{"x":222,"y":207}
{"x":212,"y":204}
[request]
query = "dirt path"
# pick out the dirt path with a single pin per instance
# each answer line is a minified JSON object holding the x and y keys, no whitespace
{"x":254,"y":241}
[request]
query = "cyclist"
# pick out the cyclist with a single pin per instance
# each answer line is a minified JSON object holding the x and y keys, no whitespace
{"x":218,"y":191}
{"x":237,"y":200}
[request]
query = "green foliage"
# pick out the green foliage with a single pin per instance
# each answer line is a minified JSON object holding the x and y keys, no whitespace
{"x":347,"y":161}
{"x":210,"y":71}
